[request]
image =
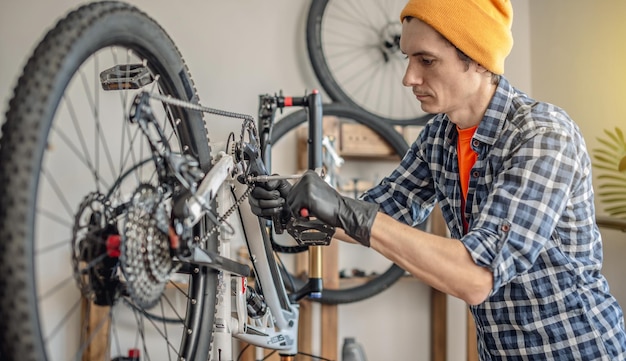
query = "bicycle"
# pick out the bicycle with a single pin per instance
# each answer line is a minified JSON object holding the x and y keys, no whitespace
{"x":106,"y":97}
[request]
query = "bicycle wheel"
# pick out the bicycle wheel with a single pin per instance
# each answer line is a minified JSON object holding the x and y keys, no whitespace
{"x":382,"y":273}
{"x":354,"y":49}
{"x":75,"y":177}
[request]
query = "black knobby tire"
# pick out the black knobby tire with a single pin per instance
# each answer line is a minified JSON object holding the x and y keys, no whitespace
{"x":384,"y":280}
{"x":66,"y":140}
{"x":353,"y":46}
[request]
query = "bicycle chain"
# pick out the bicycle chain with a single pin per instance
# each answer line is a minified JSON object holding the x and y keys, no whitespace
{"x":221,"y":219}
{"x":192,"y":106}
{"x":248,"y":125}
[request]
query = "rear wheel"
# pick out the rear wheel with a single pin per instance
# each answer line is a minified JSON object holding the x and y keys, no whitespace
{"x":85,"y":271}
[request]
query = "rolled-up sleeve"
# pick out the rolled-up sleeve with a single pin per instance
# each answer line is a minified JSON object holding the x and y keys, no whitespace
{"x":408,"y":193}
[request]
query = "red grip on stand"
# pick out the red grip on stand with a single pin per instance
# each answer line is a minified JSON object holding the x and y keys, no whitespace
{"x":304,"y":213}
{"x":134,"y":354}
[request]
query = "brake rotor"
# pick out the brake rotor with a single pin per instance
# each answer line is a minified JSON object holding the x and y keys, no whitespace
{"x":94,"y":272}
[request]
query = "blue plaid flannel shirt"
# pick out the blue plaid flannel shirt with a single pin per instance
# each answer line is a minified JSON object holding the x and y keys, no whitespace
{"x":531,"y":221}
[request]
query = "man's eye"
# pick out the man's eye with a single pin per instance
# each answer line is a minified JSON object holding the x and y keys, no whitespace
{"x":426,"y":61}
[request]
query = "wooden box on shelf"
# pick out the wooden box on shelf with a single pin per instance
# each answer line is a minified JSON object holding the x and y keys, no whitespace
{"x":330,"y":128}
{"x":360,"y":141}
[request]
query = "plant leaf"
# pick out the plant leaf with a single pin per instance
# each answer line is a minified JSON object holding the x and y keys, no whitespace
{"x":611,"y":197}
{"x":603,"y":151}
{"x":609,"y":145}
{"x":610,"y":159}
{"x":602,"y":158}
{"x":614,"y":176}
{"x":613,"y":185}
{"x":622,"y":164}
{"x":610,"y":169}
{"x":620,"y":135}
{"x":613,"y":201}
{"x":616,"y":209}
{"x":613,"y":137}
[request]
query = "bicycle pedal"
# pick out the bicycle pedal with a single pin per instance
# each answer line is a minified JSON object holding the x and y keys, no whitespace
{"x":311,"y":232}
{"x":126,"y":76}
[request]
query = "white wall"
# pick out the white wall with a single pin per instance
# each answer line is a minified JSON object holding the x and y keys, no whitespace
{"x":579,"y":63}
{"x":236,"y":50}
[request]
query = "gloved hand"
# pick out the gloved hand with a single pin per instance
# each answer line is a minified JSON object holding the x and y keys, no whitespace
{"x":354,"y":216}
{"x":267,"y":200}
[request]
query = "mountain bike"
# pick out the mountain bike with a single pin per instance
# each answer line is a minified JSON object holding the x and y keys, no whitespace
{"x":121,"y":219}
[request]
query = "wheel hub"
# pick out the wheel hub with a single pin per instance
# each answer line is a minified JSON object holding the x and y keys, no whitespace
{"x":94,"y":270}
{"x":390,"y":40}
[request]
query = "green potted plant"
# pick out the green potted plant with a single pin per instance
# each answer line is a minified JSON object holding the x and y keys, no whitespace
{"x":609,"y":158}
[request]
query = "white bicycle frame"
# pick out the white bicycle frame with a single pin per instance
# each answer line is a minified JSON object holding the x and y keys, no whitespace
{"x":277,"y":329}
{"x":276,"y":326}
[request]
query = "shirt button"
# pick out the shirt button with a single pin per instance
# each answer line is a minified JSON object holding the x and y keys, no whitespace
{"x":475,"y":143}
{"x":505,"y":227}
{"x":475,"y":174}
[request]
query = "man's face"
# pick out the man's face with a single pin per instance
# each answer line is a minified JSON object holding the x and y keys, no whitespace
{"x":439,"y":79}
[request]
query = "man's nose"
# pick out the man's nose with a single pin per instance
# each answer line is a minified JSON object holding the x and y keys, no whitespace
{"x":412,"y":76}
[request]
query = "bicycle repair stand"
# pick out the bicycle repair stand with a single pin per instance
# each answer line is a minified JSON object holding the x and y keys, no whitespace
{"x":313,"y":105}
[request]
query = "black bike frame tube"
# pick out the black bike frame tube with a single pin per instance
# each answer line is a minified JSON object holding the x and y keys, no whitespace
{"x":314,"y":108}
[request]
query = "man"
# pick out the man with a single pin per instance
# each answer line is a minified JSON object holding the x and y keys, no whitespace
{"x":513,"y":179}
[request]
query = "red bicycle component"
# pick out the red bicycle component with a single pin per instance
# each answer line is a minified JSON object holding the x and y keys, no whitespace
{"x":113,"y":245}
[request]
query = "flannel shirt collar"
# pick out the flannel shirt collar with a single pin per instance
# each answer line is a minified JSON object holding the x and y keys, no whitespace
{"x":495,"y":117}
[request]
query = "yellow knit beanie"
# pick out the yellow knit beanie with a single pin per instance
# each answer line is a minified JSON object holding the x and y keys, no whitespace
{"x":480,"y":28}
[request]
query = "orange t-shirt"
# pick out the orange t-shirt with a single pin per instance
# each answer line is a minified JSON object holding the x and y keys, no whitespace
{"x":467,"y":159}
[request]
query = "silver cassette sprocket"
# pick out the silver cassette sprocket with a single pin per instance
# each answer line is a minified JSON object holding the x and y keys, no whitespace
{"x":145,"y":257}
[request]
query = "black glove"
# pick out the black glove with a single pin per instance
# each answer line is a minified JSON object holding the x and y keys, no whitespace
{"x":354,"y":216}
{"x":267,"y":200}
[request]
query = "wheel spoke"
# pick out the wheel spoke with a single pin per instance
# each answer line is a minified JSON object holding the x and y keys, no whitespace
{"x":354,"y":50}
